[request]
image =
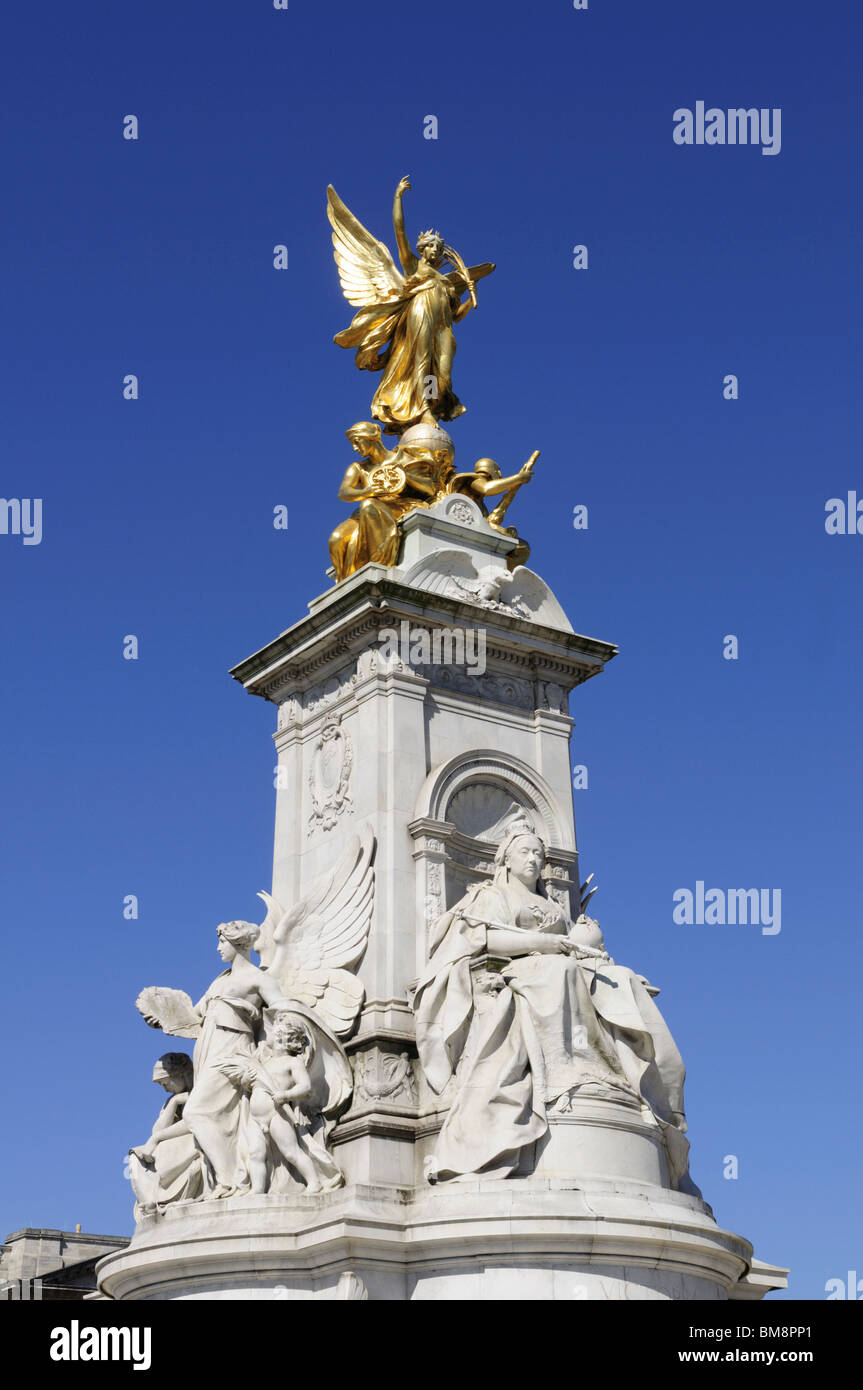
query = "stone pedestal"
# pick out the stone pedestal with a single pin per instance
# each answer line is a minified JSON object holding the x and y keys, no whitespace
{"x":520,"y":1239}
{"x":381,"y":725}
{"x":431,"y":754}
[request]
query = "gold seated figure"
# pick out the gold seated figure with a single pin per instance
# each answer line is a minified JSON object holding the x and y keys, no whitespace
{"x":387,"y":483}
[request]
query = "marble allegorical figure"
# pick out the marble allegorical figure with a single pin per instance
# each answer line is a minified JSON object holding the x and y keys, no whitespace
{"x":526,"y":1011}
{"x":247,"y":1026}
{"x":169,"y":1167}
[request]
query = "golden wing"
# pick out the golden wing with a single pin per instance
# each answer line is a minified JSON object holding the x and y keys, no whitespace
{"x":367,"y":273}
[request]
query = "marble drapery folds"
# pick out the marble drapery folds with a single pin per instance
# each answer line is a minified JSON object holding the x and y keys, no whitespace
{"x":522,"y":1037}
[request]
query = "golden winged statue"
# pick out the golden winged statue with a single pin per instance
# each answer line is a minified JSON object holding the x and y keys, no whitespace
{"x":403,"y":327}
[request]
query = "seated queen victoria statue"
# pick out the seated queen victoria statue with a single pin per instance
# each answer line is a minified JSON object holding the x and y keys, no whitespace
{"x":523,"y":1011}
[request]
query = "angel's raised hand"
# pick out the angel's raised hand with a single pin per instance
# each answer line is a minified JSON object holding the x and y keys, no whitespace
{"x":404,"y":184}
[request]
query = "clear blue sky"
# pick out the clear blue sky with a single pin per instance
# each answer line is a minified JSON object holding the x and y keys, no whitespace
{"x":706,"y":516}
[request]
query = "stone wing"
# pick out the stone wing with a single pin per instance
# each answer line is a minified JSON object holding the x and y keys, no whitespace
{"x":336,"y":996}
{"x":329,"y":927}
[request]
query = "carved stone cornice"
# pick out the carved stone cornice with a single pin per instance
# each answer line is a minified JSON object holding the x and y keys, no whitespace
{"x":349,"y":620}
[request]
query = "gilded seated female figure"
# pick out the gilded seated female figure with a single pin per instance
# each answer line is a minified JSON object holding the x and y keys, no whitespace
{"x":387,"y":483}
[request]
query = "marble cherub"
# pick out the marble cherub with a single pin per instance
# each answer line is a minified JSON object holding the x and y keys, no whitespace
{"x":284,"y":1114}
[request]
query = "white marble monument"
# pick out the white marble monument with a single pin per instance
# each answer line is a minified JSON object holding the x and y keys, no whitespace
{"x":434,"y":1082}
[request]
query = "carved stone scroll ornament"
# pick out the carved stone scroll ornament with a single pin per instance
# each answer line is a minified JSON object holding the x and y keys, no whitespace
{"x":330,"y":775}
{"x":506,"y":690}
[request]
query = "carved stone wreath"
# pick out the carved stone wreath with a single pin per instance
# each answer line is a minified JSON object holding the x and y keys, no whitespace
{"x":463,"y":512}
{"x":386,"y":1076}
{"x":330,"y":775}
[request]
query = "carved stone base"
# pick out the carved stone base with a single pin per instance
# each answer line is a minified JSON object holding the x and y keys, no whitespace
{"x":603,"y":1137}
{"x":534,"y":1238}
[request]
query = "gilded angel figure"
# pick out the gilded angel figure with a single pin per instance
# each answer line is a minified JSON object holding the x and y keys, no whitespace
{"x":404,"y":324}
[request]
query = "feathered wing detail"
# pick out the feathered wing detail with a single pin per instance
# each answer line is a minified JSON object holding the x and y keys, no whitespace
{"x":264,"y":944}
{"x":169,"y":1009}
{"x":367,"y":272}
{"x":330,"y":925}
{"x":311,"y":948}
{"x":336,"y":995}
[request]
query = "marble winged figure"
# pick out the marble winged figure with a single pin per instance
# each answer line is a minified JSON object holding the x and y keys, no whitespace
{"x":304,"y":977}
{"x":403,"y":326}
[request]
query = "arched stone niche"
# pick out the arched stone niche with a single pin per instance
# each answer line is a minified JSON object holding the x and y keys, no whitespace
{"x":462,"y":814}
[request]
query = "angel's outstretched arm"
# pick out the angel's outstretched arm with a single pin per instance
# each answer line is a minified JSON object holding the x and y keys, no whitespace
{"x":271,"y":991}
{"x":406,"y":255}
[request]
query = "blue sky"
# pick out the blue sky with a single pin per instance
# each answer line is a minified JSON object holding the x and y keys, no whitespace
{"x":706,"y":516}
